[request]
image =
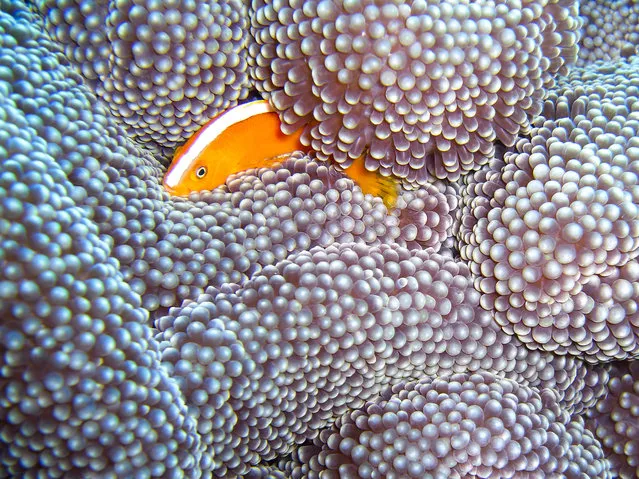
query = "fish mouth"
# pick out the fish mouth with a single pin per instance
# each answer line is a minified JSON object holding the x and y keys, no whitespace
{"x":171,"y":186}
{"x":173,"y":191}
{"x":172,"y":183}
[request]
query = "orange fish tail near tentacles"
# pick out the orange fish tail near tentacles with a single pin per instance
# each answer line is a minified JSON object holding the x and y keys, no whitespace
{"x":249,"y":136}
{"x":373,"y":182}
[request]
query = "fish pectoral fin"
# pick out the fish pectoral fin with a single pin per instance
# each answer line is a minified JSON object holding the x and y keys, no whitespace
{"x":257,"y":162}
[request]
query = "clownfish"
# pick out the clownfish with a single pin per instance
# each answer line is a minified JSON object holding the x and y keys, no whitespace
{"x":249,"y":136}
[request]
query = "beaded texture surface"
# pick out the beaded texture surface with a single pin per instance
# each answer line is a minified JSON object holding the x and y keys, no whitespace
{"x":163,"y":67}
{"x":420,"y":88}
{"x":286,"y":325}
{"x":554,"y":243}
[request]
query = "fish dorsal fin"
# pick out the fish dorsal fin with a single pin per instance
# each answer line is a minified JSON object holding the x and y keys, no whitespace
{"x":226,"y":120}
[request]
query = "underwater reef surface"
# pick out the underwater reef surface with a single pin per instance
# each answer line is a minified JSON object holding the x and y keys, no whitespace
{"x":285,"y":325}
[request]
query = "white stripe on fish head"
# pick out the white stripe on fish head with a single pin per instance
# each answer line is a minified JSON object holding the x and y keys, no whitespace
{"x":210,"y":132}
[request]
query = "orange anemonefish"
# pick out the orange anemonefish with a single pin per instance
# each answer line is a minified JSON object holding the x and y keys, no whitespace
{"x":249,"y":136}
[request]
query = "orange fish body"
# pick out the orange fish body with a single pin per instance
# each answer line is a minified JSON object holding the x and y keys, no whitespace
{"x":249,"y":136}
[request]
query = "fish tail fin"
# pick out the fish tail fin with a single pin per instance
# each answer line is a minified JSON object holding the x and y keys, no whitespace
{"x":386,"y":187}
{"x":374,"y":182}
{"x":389,"y":187}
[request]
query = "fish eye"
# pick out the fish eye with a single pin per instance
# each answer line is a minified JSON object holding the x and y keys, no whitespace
{"x":200,"y":172}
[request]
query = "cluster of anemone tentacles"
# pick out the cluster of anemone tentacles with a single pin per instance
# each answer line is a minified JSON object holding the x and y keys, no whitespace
{"x":286,"y":325}
{"x":611,"y":30}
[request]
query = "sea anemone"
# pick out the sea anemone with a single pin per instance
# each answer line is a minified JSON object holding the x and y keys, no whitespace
{"x":420,"y":88}
{"x":615,"y":419}
{"x":554,"y":245}
{"x":83,"y":391}
{"x":262,"y":329}
{"x":426,"y":216}
{"x":610,"y":30}
{"x":163,"y":68}
{"x":456,"y":426}
{"x":269,"y":364}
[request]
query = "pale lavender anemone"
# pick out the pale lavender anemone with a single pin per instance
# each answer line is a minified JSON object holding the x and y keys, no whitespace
{"x":458,"y":426}
{"x":271,"y":363}
{"x":610,"y":30}
{"x":615,"y":420}
{"x":426,"y":215}
{"x":420,"y":88}
{"x":554,"y":245}
{"x":93,"y":251}
{"x":225,"y":236}
{"x":82,"y":392}
{"x":163,"y":68}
